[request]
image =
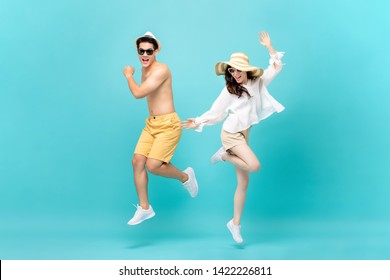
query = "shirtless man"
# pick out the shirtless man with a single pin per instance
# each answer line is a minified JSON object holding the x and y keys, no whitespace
{"x":162,"y":132}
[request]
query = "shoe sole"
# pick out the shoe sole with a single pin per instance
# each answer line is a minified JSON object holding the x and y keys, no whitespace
{"x":147,"y":218}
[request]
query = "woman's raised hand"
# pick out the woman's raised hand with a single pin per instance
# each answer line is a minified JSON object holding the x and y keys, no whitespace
{"x":265,"y":39}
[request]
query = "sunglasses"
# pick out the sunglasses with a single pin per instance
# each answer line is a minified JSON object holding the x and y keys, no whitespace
{"x":148,"y":51}
{"x":232,"y":70}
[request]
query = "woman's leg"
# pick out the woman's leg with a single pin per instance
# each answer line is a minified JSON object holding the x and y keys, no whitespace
{"x":240,"y":194}
{"x":243,"y":158}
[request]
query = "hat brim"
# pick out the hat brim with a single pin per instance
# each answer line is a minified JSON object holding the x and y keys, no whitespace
{"x":220,"y":68}
{"x":146,"y":36}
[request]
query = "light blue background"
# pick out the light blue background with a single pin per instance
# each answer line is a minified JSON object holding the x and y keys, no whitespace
{"x":68,"y":127}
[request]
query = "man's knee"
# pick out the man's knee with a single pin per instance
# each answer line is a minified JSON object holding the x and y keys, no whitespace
{"x":153,"y":166}
{"x":138,"y":161}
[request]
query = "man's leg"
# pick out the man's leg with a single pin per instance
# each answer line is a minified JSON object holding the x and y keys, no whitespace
{"x":141,"y":179}
{"x":144,"y":210}
{"x":168,"y":170}
{"x":162,"y":150}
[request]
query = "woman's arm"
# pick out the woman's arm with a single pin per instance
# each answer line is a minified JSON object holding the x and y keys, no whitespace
{"x":265,"y":40}
{"x":217,"y":113}
{"x":275,"y":61}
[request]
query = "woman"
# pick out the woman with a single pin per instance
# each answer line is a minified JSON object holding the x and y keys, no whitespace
{"x":245,"y":101}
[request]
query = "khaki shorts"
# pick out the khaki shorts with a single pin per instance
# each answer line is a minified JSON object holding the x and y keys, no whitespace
{"x":230,"y":140}
{"x":160,"y":137}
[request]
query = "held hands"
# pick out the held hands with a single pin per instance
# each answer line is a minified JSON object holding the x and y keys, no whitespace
{"x":189,"y":123}
{"x":128,"y":71}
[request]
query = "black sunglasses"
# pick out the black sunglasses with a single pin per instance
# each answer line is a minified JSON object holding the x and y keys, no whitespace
{"x":148,"y":51}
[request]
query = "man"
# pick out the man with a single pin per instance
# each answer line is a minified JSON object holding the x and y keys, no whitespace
{"x":162,"y":132}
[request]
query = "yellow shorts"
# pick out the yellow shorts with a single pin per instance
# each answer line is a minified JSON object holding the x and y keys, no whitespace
{"x":160,"y":137}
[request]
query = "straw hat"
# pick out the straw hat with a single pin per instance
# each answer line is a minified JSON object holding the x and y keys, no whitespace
{"x":239,"y":61}
{"x":149,"y":35}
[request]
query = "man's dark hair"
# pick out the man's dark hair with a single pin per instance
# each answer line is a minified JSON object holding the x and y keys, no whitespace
{"x":147,"y":40}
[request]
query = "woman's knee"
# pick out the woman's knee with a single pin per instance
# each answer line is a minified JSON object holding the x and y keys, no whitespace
{"x":254,"y":166}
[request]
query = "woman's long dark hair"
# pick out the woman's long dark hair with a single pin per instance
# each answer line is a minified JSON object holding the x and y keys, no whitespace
{"x":233,"y":87}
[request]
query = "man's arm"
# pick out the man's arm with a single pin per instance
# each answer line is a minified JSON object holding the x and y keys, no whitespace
{"x":149,"y":85}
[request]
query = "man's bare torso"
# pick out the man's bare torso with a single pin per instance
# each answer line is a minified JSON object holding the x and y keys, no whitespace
{"x":160,"y":101}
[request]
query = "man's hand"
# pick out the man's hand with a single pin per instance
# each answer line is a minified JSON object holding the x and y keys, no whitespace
{"x":128,"y":71}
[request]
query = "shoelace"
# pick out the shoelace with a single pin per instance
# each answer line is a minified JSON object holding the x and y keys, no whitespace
{"x":138,"y":207}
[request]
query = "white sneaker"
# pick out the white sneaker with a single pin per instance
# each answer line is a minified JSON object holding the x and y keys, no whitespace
{"x":141,"y":215}
{"x":235,"y":231}
{"x":218,"y":155}
{"x":191,"y":184}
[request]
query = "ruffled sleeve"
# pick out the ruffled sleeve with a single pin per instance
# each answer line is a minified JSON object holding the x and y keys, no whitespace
{"x":276,"y":58}
{"x":271,"y":72}
{"x":217,"y":112}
